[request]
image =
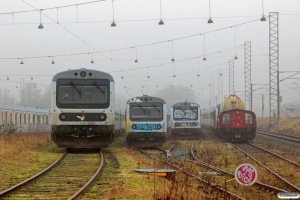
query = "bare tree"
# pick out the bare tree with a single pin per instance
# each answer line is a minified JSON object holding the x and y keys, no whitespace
{"x":174,"y":94}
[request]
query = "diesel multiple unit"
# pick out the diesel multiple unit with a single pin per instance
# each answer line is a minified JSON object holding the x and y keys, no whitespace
{"x":83,"y":109}
{"x":185,"y":120}
{"x":146,"y":121}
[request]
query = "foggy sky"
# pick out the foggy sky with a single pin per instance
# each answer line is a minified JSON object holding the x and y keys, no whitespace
{"x":137,"y":24}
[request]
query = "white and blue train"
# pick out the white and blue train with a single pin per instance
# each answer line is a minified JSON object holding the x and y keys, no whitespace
{"x":83,"y":109}
{"x":146,"y":121}
{"x":185,"y":120}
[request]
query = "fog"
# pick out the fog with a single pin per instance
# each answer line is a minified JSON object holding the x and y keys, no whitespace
{"x":73,"y":36}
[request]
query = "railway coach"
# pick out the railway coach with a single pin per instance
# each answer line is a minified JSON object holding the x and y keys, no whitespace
{"x":23,"y":119}
{"x":82,"y":109}
{"x":146,"y":121}
{"x":230,"y":120}
{"x":185,"y":120}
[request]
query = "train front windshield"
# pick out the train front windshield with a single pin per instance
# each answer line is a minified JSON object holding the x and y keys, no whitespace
{"x":185,"y":113}
{"x":82,"y":93}
{"x":146,"y":111}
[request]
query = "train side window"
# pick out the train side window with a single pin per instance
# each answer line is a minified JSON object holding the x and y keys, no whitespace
{"x":226,"y":118}
{"x":248,"y":118}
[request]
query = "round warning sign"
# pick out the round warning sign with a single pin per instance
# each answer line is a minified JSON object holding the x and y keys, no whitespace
{"x":245,"y":174}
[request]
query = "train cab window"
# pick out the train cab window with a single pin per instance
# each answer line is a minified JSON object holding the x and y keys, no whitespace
{"x":83,"y":93}
{"x":226,"y":118}
{"x":248,"y":118}
{"x":185,"y":113}
{"x":146,"y":112}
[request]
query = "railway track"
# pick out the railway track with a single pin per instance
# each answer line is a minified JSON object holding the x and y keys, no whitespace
{"x":289,"y":186}
{"x":66,"y":178}
{"x":263,"y":186}
{"x":212,"y":186}
{"x":280,"y":136}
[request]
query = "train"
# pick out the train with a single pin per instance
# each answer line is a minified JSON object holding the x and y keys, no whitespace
{"x":119,"y":121}
{"x":185,"y":120}
{"x":16,"y":119}
{"x":230,"y":120}
{"x":82,"y":109}
{"x":146,"y":121}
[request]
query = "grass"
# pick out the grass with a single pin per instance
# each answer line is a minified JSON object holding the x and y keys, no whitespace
{"x":23,"y":155}
{"x":285,"y":125}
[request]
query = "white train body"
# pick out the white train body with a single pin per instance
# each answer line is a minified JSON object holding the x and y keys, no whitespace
{"x":185,"y":120}
{"x":23,"y":119}
{"x":82,"y":109}
{"x":146,"y":121}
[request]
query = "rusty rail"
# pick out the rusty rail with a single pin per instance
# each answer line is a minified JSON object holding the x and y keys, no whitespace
{"x":213,"y":186}
{"x":291,"y":138}
{"x":7,"y":191}
{"x":79,"y":192}
{"x":274,"y":154}
{"x":295,"y":188}
{"x":258,"y":184}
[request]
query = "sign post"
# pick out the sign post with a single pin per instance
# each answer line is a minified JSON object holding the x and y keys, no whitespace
{"x":245,"y":174}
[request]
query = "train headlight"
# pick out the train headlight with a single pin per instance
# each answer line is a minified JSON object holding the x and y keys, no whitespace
{"x":103,"y":117}
{"x":82,"y":74}
{"x":62,"y":117}
{"x":133,"y":126}
{"x":158,"y":126}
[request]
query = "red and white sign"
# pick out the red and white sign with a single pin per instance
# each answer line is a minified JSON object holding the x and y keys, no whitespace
{"x":245,"y":174}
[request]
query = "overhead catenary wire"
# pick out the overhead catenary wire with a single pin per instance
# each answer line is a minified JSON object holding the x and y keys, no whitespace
{"x":56,"y":7}
{"x":142,"y":45}
{"x":74,"y":36}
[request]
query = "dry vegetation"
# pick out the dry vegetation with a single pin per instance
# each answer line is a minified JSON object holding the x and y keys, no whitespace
{"x":285,"y":125}
{"x":23,"y":155}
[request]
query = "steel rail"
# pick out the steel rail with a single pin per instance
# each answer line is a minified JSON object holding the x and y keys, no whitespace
{"x":258,"y":184}
{"x":280,"y":136}
{"x":274,"y":173}
{"x":79,"y":192}
{"x":221,"y":190}
{"x":274,"y":154}
{"x":5,"y":192}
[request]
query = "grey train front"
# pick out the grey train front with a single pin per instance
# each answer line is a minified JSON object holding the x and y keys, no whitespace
{"x":185,"y":120}
{"x":83,"y":109}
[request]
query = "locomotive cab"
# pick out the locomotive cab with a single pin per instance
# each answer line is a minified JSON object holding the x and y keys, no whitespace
{"x":237,"y":125}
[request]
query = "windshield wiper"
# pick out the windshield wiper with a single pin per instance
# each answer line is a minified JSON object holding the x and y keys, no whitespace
{"x":72,"y":83}
{"x":156,"y":108}
{"x":97,"y":86}
{"x":141,"y":107}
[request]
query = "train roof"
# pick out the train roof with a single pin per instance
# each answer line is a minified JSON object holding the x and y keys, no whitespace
{"x":145,"y":98}
{"x":94,"y":74}
{"x":185,"y":103}
{"x":24,"y":109}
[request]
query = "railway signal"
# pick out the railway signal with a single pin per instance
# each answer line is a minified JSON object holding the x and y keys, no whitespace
{"x":245,"y":174}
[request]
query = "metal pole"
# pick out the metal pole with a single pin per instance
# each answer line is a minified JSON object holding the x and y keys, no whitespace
{"x":278,"y":94}
{"x":262,"y":105}
{"x":251,"y":96}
